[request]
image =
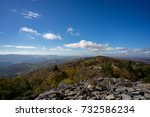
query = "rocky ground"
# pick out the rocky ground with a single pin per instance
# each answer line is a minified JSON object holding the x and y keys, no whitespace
{"x":99,"y":89}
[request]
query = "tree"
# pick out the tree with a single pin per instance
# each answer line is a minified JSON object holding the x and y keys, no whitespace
{"x":129,"y":67}
{"x":55,"y":68}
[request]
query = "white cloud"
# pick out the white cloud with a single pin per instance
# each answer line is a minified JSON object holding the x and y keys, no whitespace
{"x":116,"y":48}
{"x":60,"y":48}
{"x":5,"y":52}
{"x":124,"y":52}
{"x":136,"y":51}
{"x":29,"y":30}
{"x":88,"y":45}
{"x":25,"y":47}
{"x":71,"y":31}
{"x":94,"y":47}
{"x":30,"y":14}
{"x":147,"y":52}
{"x":27,"y":14}
{"x":48,"y":36}
{"x":120,"y":48}
{"x":51,"y":36}
{"x":19,"y":47}
{"x":139,"y":51}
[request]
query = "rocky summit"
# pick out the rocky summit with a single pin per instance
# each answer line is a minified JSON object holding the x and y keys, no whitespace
{"x":99,"y":89}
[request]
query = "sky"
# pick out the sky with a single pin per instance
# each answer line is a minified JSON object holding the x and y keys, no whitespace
{"x":75,"y":27}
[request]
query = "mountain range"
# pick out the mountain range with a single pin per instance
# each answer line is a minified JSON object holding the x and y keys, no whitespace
{"x":13,"y":65}
{"x":27,"y":80}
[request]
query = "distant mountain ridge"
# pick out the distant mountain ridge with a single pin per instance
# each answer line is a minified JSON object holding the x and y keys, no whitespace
{"x":137,"y":59}
{"x":14,"y":65}
{"x":14,"y":58}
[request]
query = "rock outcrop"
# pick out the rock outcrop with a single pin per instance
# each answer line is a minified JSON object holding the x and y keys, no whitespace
{"x":99,"y":89}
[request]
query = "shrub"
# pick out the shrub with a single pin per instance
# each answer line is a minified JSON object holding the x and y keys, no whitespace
{"x":147,"y":78}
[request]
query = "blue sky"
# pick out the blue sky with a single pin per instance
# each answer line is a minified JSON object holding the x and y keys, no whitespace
{"x":75,"y":27}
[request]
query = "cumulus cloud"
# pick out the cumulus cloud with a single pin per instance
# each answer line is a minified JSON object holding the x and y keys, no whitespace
{"x":51,"y":36}
{"x":29,"y":30}
{"x":27,"y":14}
{"x":92,"y":46}
{"x":88,"y":45}
{"x":71,"y":31}
{"x":48,"y":36}
{"x":19,"y":47}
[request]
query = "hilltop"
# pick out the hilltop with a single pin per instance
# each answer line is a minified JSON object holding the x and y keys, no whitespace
{"x":30,"y":85}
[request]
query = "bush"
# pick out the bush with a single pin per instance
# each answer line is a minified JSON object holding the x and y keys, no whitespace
{"x":68,"y":81}
{"x":147,"y":78}
{"x":55,"y":68}
{"x":56,"y":77}
{"x":129,"y":66}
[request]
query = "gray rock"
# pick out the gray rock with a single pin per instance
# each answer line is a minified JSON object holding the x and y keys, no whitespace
{"x":67,"y":91}
{"x":98,"y":88}
{"x":113,"y":88}
{"x":126,"y":97}
{"x":92,"y":98}
{"x":139,"y":97}
{"x":105,"y":88}
{"x":80,"y":98}
{"x":130,"y":90}
{"x":53,"y":95}
{"x":147,"y":95}
{"x":121,"y":89}
{"x":45,"y":94}
{"x":71,"y":93}
{"x":90,"y":87}
{"x":100,"y":79}
{"x":137,"y":89}
{"x":98,"y":97}
{"x":145,"y":90}
{"x":135,"y":93}
{"x":118,"y":99}
{"x":110,"y":97}
{"x":95,"y":92}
